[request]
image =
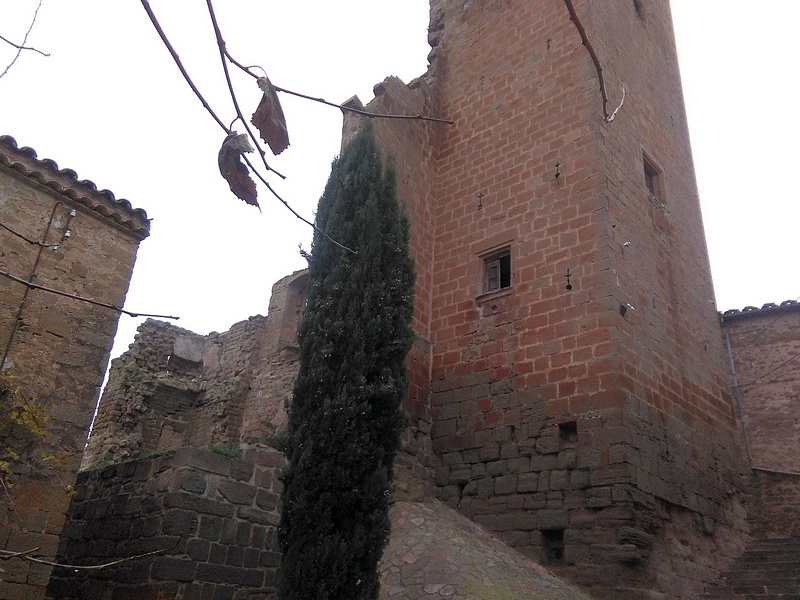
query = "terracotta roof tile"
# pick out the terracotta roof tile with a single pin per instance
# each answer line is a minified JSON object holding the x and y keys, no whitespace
{"x":769,"y":307}
{"x":65,"y":182}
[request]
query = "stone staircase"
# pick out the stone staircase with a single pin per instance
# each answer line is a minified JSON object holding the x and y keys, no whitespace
{"x":768,"y":570}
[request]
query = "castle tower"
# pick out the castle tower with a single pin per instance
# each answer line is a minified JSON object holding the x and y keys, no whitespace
{"x":67,"y":252}
{"x":572,"y":373}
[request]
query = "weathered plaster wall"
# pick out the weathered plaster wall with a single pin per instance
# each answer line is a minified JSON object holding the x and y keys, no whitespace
{"x":53,"y":348}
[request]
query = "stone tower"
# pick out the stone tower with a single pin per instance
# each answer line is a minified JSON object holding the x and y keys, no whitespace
{"x":569,"y":365}
{"x":62,"y":240}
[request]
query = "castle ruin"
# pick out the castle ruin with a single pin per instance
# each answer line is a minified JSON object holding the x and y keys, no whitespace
{"x":574,"y":390}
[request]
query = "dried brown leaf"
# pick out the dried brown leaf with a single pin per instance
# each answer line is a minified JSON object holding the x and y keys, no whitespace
{"x":269,"y":119}
{"x":234,"y":170}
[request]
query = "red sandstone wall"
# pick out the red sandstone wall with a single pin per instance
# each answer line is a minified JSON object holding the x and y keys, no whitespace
{"x":57,"y":350}
{"x":766,"y":352}
{"x":530,"y":165}
{"x":774,"y":512}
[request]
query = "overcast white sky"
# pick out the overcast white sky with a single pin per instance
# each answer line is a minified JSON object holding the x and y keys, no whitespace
{"x":110,"y":103}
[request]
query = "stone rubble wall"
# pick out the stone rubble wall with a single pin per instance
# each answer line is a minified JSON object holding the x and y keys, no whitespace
{"x":213,"y":516}
{"x":174,"y":388}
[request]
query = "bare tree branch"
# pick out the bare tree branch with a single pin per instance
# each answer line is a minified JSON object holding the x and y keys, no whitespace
{"x":178,"y":62}
{"x":36,"y":286}
{"x":364,"y":112}
{"x":22,"y":46}
{"x":293,"y":211}
{"x":222,"y":54}
{"x":333,"y":104}
{"x":573,"y":16}
{"x":227,"y":129}
{"x":18,"y":47}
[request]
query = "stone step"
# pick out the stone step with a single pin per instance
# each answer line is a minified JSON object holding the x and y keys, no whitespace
{"x":767,"y":570}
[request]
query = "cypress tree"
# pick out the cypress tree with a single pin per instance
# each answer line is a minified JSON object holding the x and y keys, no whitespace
{"x":346,"y":415}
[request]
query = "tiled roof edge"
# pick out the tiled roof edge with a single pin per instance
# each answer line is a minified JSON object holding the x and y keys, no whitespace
{"x":770,"y":307}
{"x":65,"y":182}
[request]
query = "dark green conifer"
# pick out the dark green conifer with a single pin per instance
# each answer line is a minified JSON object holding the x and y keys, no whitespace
{"x":346,"y":415}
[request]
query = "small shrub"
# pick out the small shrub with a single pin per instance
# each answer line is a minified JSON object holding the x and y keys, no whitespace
{"x":229,"y":449}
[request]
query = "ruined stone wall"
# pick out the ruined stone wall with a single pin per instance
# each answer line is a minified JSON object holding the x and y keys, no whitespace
{"x":64,"y":234}
{"x":765,"y":344}
{"x":275,"y":361}
{"x":174,"y":388}
{"x":214,"y":517}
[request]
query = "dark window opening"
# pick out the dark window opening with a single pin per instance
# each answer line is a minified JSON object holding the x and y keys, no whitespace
{"x":652,"y":180}
{"x":498,"y":271}
{"x":553,"y":546}
{"x":568,"y":431}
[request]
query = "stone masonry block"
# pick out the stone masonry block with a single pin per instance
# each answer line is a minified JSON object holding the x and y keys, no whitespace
{"x":179,"y":522}
{"x":218,"y":554}
{"x":261,"y":517}
{"x":189,"y":480}
{"x":210,"y":527}
{"x":197,"y":504}
{"x":579,"y":479}
{"x":548,"y":445}
{"x":242,"y":471}
{"x":173,"y":569}
{"x":559,"y":480}
{"x":485,"y":487}
{"x":528,"y":482}
{"x":506,"y":484}
{"x":546,"y":462}
{"x":553,"y":519}
{"x":243,"y":534}
{"x":204,"y":460}
{"x":237,"y":492}
{"x":264,"y":477}
{"x":496,"y":468}
{"x":471,"y":456}
{"x":461,"y":476}
{"x":189,"y":348}
{"x":567,"y":459}
{"x":489,"y":453}
{"x":235,"y":556}
{"x":232,"y":575}
{"x":198,"y":549}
